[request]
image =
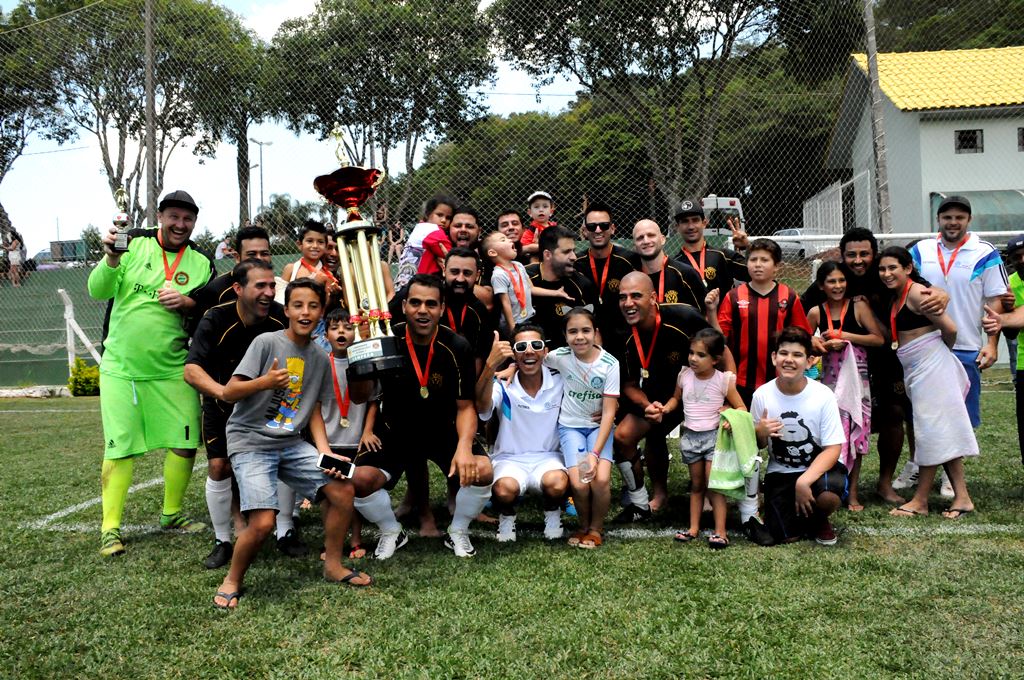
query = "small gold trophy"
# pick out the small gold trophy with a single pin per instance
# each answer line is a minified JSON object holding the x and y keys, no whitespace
{"x":121,"y":221}
{"x":359,"y":261}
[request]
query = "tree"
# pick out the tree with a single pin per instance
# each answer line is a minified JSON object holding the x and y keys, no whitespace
{"x":93,"y":244}
{"x":101,"y":78}
{"x":920,"y":25}
{"x":662,"y":65}
{"x":391,"y":73}
{"x":28,"y":95}
{"x":282,"y":217}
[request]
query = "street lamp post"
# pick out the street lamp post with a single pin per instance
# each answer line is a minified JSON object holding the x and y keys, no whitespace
{"x":262,"y":144}
{"x":248,"y":188}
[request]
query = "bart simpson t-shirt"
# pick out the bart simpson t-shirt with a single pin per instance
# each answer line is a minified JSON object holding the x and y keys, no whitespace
{"x":274,"y":419}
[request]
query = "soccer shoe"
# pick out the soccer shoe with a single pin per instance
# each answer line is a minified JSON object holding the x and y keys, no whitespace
{"x":946,"y":486}
{"x":553,"y":527}
{"x":179,"y":522}
{"x":757,"y":532}
{"x":220,"y":555}
{"x":110,"y":543}
{"x":907,"y":478}
{"x":632,"y":514}
{"x":291,"y":545}
{"x":388,"y":543}
{"x":826,"y":534}
{"x":458,"y":541}
{"x":506,"y":529}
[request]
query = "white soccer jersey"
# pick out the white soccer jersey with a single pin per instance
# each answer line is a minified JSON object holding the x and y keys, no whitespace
{"x":586,"y":385}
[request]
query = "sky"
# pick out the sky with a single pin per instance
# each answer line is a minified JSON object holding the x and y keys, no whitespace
{"x":53,"y":192}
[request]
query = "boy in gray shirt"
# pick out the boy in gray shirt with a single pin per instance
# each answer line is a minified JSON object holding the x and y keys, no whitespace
{"x":278,"y":387}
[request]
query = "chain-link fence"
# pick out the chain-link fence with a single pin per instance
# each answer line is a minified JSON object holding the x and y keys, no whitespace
{"x":637,"y":105}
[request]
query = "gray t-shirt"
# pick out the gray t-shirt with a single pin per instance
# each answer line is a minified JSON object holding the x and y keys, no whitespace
{"x":501,"y":283}
{"x":274,"y":419}
{"x":338,"y":436}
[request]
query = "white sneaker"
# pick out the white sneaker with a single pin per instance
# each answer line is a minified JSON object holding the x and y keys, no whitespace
{"x":553,"y":525}
{"x":458,"y":541}
{"x":946,"y":486}
{"x":506,"y":529}
{"x":908,"y":476}
{"x":388,"y":543}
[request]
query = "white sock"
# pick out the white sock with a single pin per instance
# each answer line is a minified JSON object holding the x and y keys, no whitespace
{"x":469,"y":503}
{"x":626,"y":470}
{"x":639,"y":498}
{"x":376,"y":508}
{"x":552,"y":518}
{"x":218,"y":501}
{"x":285,"y":508}
{"x":748,"y":508}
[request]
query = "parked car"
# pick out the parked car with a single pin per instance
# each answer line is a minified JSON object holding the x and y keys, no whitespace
{"x":793,"y":249}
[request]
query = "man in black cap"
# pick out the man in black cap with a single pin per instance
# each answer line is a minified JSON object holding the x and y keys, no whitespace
{"x":717,"y":268}
{"x":144,"y":400}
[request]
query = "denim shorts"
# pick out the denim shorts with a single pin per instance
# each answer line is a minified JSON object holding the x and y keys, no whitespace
{"x":575,"y":438}
{"x":697,"y":446}
{"x":257,"y":474}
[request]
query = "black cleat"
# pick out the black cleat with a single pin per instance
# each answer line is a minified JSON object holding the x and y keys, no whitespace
{"x":219,"y":556}
{"x":291,"y":545}
{"x":757,"y":532}
{"x":632,"y":514}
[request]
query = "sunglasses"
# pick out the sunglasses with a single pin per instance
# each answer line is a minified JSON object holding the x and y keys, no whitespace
{"x":523,"y":345}
{"x":598,"y":226}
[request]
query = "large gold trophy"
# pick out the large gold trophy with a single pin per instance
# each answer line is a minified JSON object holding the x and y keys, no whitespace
{"x":359,"y":261}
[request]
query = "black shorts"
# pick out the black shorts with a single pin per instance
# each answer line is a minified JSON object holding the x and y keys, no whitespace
{"x":396,"y":453}
{"x":780,"y":501}
{"x":215,"y":423}
{"x":889,"y":402}
{"x":655,"y":444}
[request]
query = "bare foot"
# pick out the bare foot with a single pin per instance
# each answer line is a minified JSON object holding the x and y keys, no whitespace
{"x":486,"y":519}
{"x":428,"y":528}
{"x":854,"y":506}
{"x":658,"y":502}
{"x":890,"y":496}
{"x":345,"y":576}
{"x":403,"y":511}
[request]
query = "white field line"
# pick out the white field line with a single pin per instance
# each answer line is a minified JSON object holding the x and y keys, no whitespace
{"x":47,"y":522}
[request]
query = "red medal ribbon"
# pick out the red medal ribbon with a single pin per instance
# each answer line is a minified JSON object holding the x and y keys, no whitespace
{"x":952,"y":258}
{"x":896,"y":310}
{"x":424,"y":373}
{"x":604,"y":275}
{"x":828,"y":317}
{"x":661,"y":282}
{"x":645,"y":361}
{"x":451,"y":318}
{"x":312,"y":269}
{"x":700,"y":267}
{"x":343,"y":403}
{"x":170,"y":269}
{"x":520,"y":289}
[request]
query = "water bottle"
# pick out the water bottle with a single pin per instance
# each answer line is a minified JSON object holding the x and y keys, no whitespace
{"x":586,"y":467}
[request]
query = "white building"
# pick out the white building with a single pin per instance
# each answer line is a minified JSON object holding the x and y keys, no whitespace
{"x":954,"y":124}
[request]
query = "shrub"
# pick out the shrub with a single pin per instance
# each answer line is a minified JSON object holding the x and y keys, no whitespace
{"x":84,"y":380}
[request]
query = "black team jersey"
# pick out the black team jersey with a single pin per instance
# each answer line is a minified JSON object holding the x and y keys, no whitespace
{"x":721,"y":267}
{"x":550,"y":311}
{"x":670,"y":353}
{"x":676,"y":283}
{"x":605,"y":274}
{"x":470,"y":320}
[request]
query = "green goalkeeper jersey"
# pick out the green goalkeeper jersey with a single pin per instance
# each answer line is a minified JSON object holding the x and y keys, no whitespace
{"x":145,"y":341}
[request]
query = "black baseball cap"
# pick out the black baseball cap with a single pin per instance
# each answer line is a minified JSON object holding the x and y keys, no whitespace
{"x":954,"y":202}
{"x":690,"y":207}
{"x":178,"y":199}
{"x":1015,"y":243}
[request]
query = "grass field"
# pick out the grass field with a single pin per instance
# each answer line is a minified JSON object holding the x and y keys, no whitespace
{"x":896,"y":598}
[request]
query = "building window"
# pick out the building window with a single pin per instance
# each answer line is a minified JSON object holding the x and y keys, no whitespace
{"x":1020,"y":139}
{"x":969,"y":141}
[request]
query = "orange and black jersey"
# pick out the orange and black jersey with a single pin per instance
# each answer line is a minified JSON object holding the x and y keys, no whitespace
{"x":609,"y":317}
{"x":451,"y":376}
{"x":221,"y":340}
{"x":750,"y":322}
{"x":721,"y":268}
{"x":671,"y":351}
{"x":216,"y":291}
{"x":549,"y":311}
{"x":676,"y":283}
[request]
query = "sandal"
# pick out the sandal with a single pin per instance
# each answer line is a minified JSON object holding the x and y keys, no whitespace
{"x":685,"y":537}
{"x":347,"y":580}
{"x":355,"y":551}
{"x":591,"y":540}
{"x":574,"y":540}
{"x":234,"y":595}
{"x":717,"y":542}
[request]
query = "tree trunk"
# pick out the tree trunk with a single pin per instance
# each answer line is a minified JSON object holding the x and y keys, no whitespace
{"x":5,"y":221}
{"x":242,"y":167}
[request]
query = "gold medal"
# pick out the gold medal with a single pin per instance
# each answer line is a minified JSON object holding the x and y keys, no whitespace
{"x":424,"y":392}
{"x":168,"y":285}
{"x":344,"y":421}
{"x":644,"y":373}
{"x":894,"y":345}
{"x":522,"y":314}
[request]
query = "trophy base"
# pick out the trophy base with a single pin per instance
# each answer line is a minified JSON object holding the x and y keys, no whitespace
{"x":374,"y":357}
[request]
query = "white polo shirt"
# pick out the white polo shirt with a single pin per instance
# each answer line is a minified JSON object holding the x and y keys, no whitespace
{"x":975,"y":275}
{"x":527,"y":426}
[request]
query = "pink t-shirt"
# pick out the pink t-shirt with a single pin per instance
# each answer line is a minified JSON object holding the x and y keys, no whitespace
{"x":702,"y":399}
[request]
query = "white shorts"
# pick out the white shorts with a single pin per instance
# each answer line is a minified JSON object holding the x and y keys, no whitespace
{"x":527,"y":470}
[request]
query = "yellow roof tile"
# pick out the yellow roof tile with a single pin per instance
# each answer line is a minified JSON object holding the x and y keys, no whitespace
{"x":950,"y":79}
